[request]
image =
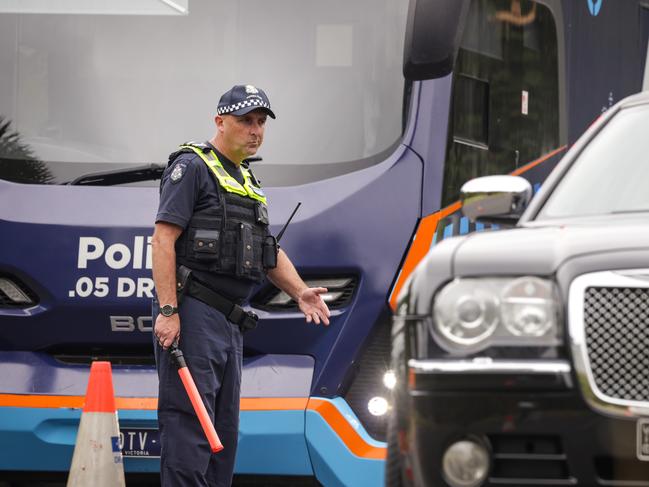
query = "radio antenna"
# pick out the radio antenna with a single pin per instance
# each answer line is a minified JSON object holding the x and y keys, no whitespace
{"x":279,"y":235}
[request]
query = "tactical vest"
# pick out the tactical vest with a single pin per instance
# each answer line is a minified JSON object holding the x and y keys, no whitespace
{"x":228,"y":238}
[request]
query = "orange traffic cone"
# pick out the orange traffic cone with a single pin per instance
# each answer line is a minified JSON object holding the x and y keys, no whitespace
{"x":97,"y":459}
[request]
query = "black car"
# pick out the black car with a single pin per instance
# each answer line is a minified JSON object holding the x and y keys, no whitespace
{"x":522,"y":354}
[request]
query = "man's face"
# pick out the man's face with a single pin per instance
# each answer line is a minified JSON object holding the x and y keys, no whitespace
{"x":242,"y":135}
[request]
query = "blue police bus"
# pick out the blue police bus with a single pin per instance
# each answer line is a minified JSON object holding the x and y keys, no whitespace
{"x":384,"y":109}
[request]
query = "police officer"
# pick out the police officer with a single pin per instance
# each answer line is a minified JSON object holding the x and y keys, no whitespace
{"x":211,"y":242}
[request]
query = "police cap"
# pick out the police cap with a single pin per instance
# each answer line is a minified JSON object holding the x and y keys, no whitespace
{"x":242,"y":99}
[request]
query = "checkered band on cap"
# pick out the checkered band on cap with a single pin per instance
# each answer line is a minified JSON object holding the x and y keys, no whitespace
{"x":253,"y":102}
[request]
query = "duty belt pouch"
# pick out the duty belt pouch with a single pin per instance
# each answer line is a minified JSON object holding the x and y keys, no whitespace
{"x":206,"y":244}
{"x":245,"y":320}
{"x":183,"y":278}
{"x":245,"y":254}
{"x":249,"y":322}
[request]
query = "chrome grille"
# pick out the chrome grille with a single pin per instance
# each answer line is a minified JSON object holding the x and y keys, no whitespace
{"x":616,"y":327}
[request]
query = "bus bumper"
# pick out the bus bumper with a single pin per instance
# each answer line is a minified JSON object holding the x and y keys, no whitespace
{"x":284,"y":436}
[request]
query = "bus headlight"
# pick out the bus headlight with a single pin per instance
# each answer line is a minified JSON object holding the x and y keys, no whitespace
{"x":390,"y":379}
{"x":472,"y":313}
{"x":378,"y":406}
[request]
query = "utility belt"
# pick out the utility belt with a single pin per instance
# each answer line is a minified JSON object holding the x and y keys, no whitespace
{"x":246,"y":320}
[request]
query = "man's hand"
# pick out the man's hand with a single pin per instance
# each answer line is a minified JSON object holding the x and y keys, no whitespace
{"x":167,"y":329}
{"x":312,"y":305}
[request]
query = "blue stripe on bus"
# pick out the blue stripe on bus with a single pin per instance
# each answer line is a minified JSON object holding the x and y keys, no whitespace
{"x":334,"y":464}
{"x":464,"y":225}
{"x":272,"y":443}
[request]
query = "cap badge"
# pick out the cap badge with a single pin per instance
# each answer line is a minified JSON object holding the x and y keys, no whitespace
{"x":251,"y":90}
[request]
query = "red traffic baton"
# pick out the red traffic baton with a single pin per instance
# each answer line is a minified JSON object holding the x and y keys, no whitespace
{"x":195,"y":398}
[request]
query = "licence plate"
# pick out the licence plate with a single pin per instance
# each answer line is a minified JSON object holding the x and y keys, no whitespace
{"x":642,"y":436}
{"x":139,"y":442}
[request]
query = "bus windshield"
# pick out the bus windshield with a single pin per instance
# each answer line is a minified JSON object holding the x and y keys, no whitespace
{"x":126,"y":88}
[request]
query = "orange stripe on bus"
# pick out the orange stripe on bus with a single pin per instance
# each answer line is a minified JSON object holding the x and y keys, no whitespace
{"x":419,"y":248}
{"x":428,"y":225}
{"x":273,"y":403}
{"x":538,"y":161}
{"x":75,"y":402}
{"x":143,"y":403}
{"x":356,"y":444}
{"x":32,"y":401}
{"x":146,"y":403}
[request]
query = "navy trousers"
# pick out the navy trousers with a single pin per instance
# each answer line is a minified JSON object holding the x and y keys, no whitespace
{"x":213,"y":349}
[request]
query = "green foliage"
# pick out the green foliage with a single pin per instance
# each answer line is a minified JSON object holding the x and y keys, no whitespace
{"x":18,"y":163}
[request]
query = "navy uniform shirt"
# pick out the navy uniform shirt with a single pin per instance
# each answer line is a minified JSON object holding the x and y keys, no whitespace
{"x":188,"y":185}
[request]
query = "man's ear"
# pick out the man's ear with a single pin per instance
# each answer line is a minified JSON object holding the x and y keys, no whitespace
{"x":218,"y":120}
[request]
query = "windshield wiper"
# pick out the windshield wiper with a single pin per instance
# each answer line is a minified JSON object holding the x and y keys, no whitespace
{"x":120,"y":176}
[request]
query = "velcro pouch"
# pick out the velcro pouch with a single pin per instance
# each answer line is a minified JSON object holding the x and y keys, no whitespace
{"x":261,"y":213}
{"x":206,"y":244}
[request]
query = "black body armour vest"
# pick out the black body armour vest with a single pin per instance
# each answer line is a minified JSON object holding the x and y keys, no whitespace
{"x":227,"y":239}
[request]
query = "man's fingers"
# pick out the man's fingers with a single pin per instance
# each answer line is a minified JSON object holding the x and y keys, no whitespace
{"x":166,"y":342}
{"x":320,"y":290}
{"x":325,"y":318}
{"x":318,"y":317}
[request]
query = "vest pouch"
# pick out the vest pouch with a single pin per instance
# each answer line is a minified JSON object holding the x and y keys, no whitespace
{"x":261,"y":213}
{"x":269,"y":252}
{"x":245,"y":253}
{"x":205,"y":245}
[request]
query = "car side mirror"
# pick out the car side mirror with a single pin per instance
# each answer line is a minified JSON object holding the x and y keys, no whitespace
{"x":495,"y":199}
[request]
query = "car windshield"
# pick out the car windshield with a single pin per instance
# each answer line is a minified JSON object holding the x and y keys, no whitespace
{"x":610,"y":175}
{"x":124,"y":83}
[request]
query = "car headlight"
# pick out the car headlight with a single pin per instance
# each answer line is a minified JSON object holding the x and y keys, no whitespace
{"x":473,"y":313}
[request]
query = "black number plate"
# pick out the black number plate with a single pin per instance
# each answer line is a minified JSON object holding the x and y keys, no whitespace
{"x":139,"y":442}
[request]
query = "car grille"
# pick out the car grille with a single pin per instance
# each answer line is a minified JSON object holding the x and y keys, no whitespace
{"x":616,"y":325}
{"x":528,"y":460}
